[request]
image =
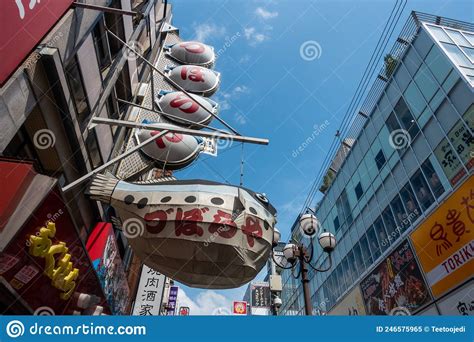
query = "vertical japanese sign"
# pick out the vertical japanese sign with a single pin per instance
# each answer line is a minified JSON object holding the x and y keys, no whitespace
{"x":260,"y":295}
{"x":150,"y":293}
{"x":395,"y":285}
{"x":172,"y":301}
{"x":444,"y":242}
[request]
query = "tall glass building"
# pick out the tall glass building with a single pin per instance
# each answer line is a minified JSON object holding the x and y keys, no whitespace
{"x":398,"y":191}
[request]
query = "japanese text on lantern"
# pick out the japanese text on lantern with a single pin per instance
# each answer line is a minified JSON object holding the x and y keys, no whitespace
{"x":58,"y":266}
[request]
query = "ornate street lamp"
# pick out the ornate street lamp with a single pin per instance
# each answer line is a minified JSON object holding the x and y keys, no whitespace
{"x":295,"y":253}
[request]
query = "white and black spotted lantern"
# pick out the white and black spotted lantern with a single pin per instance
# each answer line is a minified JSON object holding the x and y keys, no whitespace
{"x":195,"y":79}
{"x":200,"y":233}
{"x":173,"y":150}
{"x":192,"y":52}
{"x":309,"y":224}
{"x":185,"y":111}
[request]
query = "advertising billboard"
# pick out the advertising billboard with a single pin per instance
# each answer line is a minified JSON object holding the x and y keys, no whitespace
{"x":150,"y":293}
{"x":173,"y":297}
{"x":395,"y":285}
{"x":40,"y":247}
{"x":24,"y":24}
{"x":103,"y":250}
{"x":444,"y":242}
{"x":260,"y":295}
{"x":460,"y":302}
{"x":351,"y":305}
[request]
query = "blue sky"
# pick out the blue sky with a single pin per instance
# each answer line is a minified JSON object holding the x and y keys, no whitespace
{"x":268,"y":90}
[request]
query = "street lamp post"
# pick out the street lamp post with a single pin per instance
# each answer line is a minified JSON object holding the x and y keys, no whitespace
{"x":298,"y":253}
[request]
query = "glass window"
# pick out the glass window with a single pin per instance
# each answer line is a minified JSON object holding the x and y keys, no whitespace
{"x":455,"y":53}
{"x":336,"y":223}
{"x":381,"y":234}
{"x":352,"y":268}
{"x":358,"y":190}
{"x":390,"y":225}
{"x":78,"y":93}
{"x":414,"y":99}
{"x":410,"y":201}
{"x":438,"y":63}
{"x":399,"y":214}
{"x":359,"y":261}
{"x":373,"y":242}
{"x":426,"y":83}
{"x":433,"y":178}
{"x":380,"y":159}
{"x":457,"y":37}
{"x":406,"y":118}
{"x":365,"y":250}
{"x":422,"y":191}
{"x":93,"y":149}
{"x":450,"y":81}
{"x":439,"y":33}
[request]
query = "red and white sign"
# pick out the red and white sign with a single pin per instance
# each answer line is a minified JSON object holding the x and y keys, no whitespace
{"x":184,"y":311}
{"x":239,"y":308}
{"x":195,"y":79}
{"x":192,"y":52}
{"x":24,"y":23}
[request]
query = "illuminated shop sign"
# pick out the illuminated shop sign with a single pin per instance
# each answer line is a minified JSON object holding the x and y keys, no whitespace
{"x":191,"y":52}
{"x":181,"y":106}
{"x":239,"y":308}
{"x":24,"y":24}
{"x":195,"y":79}
{"x":444,"y":242}
{"x":57,"y":261}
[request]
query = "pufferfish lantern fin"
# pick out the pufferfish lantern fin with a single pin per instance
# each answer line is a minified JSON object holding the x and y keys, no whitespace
{"x":101,"y":187}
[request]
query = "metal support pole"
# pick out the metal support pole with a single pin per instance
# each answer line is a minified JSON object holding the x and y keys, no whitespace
{"x":178,"y":129}
{"x":305,"y":281}
{"x":174,"y":84}
{"x":106,"y":9}
{"x":112,"y":161}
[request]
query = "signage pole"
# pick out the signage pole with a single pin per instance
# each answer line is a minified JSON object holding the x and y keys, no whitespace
{"x":305,"y":282}
{"x":112,"y":161}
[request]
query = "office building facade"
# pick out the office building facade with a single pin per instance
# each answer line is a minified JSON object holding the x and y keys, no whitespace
{"x":401,"y":203}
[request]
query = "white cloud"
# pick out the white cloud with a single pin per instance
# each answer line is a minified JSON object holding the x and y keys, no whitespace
{"x":253,"y":36}
{"x":204,"y":31}
{"x":207,"y":302}
{"x":223,"y":97}
{"x":240,"y":118}
{"x":264,"y":14}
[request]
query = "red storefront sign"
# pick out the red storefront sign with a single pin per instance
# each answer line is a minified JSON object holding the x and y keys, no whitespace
{"x":23,"y":24}
{"x":47,"y":265}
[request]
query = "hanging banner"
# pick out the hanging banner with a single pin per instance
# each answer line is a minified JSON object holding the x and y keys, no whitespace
{"x":172,"y":299}
{"x":351,"y":305}
{"x":260,"y":295}
{"x":150,"y":293}
{"x":103,"y":250}
{"x":444,"y":242}
{"x":396,"y":285}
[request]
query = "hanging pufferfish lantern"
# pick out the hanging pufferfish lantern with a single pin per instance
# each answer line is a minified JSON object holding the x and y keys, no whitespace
{"x":203,"y":234}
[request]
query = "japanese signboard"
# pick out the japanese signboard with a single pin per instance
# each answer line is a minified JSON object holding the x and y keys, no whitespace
{"x":462,"y":141}
{"x":45,"y":240}
{"x":192,"y":52}
{"x":24,"y":23}
{"x":107,"y":262}
{"x":239,"y":308}
{"x":260,"y":295}
{"x":195,"y":79}
{"x":395,"y":284}
{"x":172,"y":299}
{"x":150,"y":293}
{"x":351,"y":305}
{"x":460,"y":302}
{"x":183,"y":311}
{"x":444,"y":242}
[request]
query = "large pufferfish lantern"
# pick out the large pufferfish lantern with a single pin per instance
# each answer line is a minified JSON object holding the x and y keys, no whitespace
{"x":203,"y":234}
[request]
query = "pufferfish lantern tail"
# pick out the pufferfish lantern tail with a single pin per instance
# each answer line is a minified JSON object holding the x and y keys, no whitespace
{"x":101,"y":187}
